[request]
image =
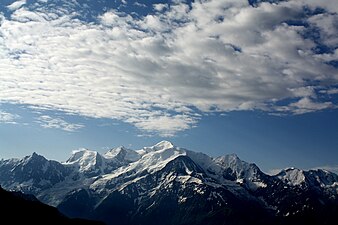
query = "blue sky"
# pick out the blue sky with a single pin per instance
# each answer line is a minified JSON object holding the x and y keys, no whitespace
{"x":257,"y":78}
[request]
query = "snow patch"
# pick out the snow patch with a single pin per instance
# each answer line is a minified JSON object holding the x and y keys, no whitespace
{"x":182,"y":199}
{"x":189,"y":179}
{"x":260,"y":184}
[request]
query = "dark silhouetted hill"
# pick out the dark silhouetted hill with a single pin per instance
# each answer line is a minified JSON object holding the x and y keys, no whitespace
{"x":18,"y":208}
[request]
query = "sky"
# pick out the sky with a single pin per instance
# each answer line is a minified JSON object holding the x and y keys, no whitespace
{"x":255,"y":78}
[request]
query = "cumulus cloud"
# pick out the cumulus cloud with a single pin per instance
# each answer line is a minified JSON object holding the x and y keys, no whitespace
{"x":49,"y":122}
{"x":161,"y":72}
{"x":9,"y":118}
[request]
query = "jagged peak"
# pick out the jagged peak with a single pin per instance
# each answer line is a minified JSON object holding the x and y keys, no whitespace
{"x":292,"y":176}
{"x":34,"y":156}
{"x":233,"y":161}
{"x":241,"y":169}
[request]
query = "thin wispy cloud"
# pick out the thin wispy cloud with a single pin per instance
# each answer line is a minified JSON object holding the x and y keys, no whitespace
{"x":163,"y":71}
{"x":139,"y":4}
{"x":8,"y":118}
{"x":58,"y":123}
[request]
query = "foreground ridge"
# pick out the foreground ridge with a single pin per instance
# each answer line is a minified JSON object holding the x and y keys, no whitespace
{"x":28,"y":210}
{"x":174,"y":185}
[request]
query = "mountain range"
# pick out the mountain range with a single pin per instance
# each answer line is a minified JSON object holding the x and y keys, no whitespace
{"x":165,"y":184}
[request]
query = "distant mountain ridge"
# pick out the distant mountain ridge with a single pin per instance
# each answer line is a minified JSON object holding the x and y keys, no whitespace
{"x":175,"y":185}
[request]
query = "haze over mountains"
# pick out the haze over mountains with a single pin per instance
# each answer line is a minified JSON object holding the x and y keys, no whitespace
{"x":175,"y":186}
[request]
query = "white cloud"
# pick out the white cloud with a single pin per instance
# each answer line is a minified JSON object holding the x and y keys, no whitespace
{"x":140,"y":4}
{"x":169,"y":125}
{"x":305,"y":105}
{"x":8,"y":118}
{"x":58,"y":123}
{"x":160,"y":7}
{"x":154,"y":72}
{"x":16,"y":5}
{"x":110,"y":18}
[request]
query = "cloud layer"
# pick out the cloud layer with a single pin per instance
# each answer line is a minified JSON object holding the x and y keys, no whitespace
{"x":163,"y":71}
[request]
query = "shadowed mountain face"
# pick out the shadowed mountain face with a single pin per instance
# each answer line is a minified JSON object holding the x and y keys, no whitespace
{"x":18,"y":208}
{"x":174,"y":186}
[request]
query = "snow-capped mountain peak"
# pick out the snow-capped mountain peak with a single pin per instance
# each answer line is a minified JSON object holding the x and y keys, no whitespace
{"x":241,"y":169}
{"x":34,"y":154}
{"x":160,"y":146}
{"x":292,"y":176}
{"x":79,"y":154}
{"x":230,"y":160}
{"x":122,"y":154}
{"x":85,"y":159}
{"x":156,"y":160}
{"x":163,"y":145}
{"x":114,"y":152}
{"x":34,"y":157}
